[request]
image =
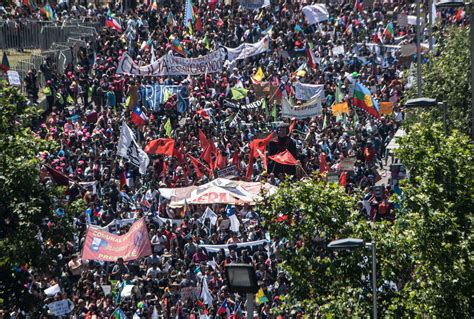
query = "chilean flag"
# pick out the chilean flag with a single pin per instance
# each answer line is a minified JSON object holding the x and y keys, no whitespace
{"x":113,"y":23}
{"x":138,"y":117}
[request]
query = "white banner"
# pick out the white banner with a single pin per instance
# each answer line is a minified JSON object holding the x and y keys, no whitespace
{"x":217,"y":248}
{"x":59,"y":308}
{"x":246,"y":50}
{"x":309,"y":109}
{"x":129,"y":149}
{"x":172,"y":65}
{"x":254,"y":4}
{"x":305,"y":92}
{"x":316,"y":13}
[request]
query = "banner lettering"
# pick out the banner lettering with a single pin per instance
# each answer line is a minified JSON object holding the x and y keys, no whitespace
{"x":172,"y":65}
{"x":309,"y":109}
{"x":154,"y":96}
{"x":101,"y":245}
{"x":246,"y":50}
{"x":254,"y":4}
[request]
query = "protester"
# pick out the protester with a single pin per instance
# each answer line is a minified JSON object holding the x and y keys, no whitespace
{"x":194,"y":127}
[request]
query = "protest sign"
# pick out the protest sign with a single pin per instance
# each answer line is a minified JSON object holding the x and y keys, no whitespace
{"x":246,"y":50}
{"x":347,"y":164}
{"x":107,"y":289}
{"x":303,"y":111}
{"x":101,"y":245}
{"x":14,"y":78}
{"x":59,"y":308}
{"x":217,"y":248}
{"x":154,"y":96}
{"x":53,"y":290}
{"x":172,"y":65}
{"x":229,"y":171}
{"x":304,"y":91}
{"x":190,"y":293}
{"x":254,"y":4}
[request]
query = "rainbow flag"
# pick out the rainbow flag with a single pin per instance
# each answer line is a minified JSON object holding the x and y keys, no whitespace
{"x":178,"y":47}
{"x":170,"y":21}
{"x":364,"y":100}
{"x":48,"y":11}
{"x":388,"y":32}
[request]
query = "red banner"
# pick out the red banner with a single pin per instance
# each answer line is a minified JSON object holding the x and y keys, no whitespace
{"x":104,"y":246}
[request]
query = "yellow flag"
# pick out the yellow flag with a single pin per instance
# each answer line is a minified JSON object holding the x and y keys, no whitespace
{"x":339,"y":108}
{"x":166,"y":96}
{"x":168,"y":127}
{"x":259,"y":76}
{"x":260,"y":15}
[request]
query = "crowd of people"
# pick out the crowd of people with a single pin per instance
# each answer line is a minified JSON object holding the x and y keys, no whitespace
{"x":87,"y":105}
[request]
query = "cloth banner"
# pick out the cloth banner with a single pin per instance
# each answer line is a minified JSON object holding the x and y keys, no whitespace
{"x":114,"y":225}
{"x":316,"y":13}
{"x":129,"y":149}
{"x":254,"y":4}
{"x":305,"y":91}
{"x":59,"y":308}
{"x":154,"y":96}
{"x":172,"y":65}
{"x":309,"y":109}
{"x":246,"y":50}
{"x":101,"y":245}
{"x":217,"y":248}
{"x":164,"y":221}
{"x":254,"y":105}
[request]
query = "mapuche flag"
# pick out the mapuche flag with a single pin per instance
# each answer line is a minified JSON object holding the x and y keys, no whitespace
{"x":364,"y":100}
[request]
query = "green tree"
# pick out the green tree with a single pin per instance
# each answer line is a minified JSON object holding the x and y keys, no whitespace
{"x":438,"y":203}
{"x":26,"y":205}
{"x":447,"y":77}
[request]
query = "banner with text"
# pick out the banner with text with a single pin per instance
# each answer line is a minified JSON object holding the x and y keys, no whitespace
{"x":172,"y":65}
{"x":303,"y":111}
{"x":101,"y":245}
{"x":254,"y":4}
{"x":246,"y":50}
{"x":154,"y":96}
{"x":305,"y":91}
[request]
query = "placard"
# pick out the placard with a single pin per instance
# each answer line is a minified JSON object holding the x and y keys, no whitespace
{"x":229,"y":171}
{"x":190,"y":293}
{"x":59,"y":308}
{"x":14,"y":78}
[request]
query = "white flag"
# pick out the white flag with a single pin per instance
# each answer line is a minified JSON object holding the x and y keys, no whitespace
{"x":205,"y":294}
{"x":316,"y":13}
{"x":129,"y":149}
{"x":208,"y":213}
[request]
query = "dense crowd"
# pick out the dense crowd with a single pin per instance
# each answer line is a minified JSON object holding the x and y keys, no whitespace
{"x":89,"y":102}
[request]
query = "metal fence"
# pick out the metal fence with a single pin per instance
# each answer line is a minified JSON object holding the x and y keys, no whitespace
{"x":61,"y":43}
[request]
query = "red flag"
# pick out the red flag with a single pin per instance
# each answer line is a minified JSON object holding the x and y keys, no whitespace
{"x":221,"y":160}
{"x":235,"y":160}
{"x":248,"y":175}
{"x":293,"y":124}
{"x":311,"y":57}
{"x":212,"y":4}
{"x":58,"y":177}
{"x":207,"y":154}
{"x":343,"y":179}
{"x":460,"y":15}
{"x":195,"y":163}
{"x":203,"y":139}
{"x":164,"y":146}
{"x":323,"y":166}
{"x":285,"y":158}
{"x":260,"y":144}
{"x":198,"y":25}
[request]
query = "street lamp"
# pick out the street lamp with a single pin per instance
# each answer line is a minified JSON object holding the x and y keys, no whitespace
{"x":445,"y":4}
{"x":425,"y":102}
{"x":241,"y":278}
{"x":354,"y":243}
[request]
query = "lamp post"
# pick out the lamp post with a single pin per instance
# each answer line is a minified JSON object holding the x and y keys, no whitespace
{"x":418,"y":49}
{"x":444,"y":4}
{"x":241,"y":278}
{"x":425,"y":102}
{"x":354,"y":243}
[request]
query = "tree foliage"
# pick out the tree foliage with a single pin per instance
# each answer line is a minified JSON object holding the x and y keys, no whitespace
{"x":447,"y":75}
{"x":25,"y":203}
{"x":423,"y":258}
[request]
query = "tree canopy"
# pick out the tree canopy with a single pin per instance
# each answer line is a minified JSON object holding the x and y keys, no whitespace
{"x":27,"y":220}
